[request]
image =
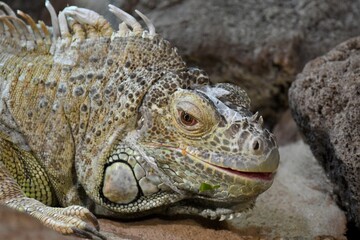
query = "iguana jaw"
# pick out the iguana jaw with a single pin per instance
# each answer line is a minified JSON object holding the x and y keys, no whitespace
{"x":234,"y":165}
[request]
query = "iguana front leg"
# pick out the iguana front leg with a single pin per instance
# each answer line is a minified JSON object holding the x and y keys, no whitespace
{"x":71,"y":220}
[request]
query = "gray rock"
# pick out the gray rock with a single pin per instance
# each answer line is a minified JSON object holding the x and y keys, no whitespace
{"x":325,"y":102}
{"x":36,"y":9}
{"x":286,"y":130}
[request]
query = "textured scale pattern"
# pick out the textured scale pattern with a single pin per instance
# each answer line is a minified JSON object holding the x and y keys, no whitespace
{"x":115,"y":122}
{"x":31,"y":177}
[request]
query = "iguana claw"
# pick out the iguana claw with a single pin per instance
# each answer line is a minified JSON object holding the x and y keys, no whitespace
{"x":88,"y":232}
{"x":83,"y":213}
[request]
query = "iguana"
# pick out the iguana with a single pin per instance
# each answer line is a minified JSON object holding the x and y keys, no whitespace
{"x":114,"y":123}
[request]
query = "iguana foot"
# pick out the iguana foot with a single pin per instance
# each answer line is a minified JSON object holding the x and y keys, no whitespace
{"x":75,"y":220}
{"x":213,"y":213}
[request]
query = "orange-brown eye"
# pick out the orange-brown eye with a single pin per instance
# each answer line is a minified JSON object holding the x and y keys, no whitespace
{"x":187,"y":119}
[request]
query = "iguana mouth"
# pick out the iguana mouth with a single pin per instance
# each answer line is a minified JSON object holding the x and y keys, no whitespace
{"x":265,"y":176}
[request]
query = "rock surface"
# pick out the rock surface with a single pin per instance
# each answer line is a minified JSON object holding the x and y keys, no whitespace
{"x":160,"y":229}
{"x":36,"y":9}
{"x":325,"y":101}
{"x":286,"y":130}
{"x":20,"y":226}
{"x":259,"y":45}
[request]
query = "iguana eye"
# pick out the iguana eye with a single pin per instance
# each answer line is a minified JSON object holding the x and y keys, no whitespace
{"x":192,"y":116}
{"x":187,"y":119}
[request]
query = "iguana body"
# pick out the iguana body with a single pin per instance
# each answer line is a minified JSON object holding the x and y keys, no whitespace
{"x":116,"y":122}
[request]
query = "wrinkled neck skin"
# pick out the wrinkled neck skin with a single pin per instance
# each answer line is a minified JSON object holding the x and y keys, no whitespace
{"x":149,"y":163}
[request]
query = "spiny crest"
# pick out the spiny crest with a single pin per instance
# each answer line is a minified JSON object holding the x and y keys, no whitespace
{"x":71,"y":25}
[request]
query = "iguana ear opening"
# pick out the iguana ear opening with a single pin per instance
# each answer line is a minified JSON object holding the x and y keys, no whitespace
{"x":198,"y":77}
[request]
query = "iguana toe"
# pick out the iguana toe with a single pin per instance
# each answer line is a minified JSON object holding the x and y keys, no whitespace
{"x":75,"y":220}
{"x":83,"y":213}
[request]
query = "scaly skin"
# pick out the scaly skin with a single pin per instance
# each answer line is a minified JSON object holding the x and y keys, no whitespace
{"x":116,"y":122}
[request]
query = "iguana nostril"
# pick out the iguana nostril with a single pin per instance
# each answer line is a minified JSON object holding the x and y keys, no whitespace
{"x":256,"y":145}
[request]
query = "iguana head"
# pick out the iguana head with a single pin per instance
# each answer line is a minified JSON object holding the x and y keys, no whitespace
{"x":200,"y":146}
{"x":206,"y":140}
